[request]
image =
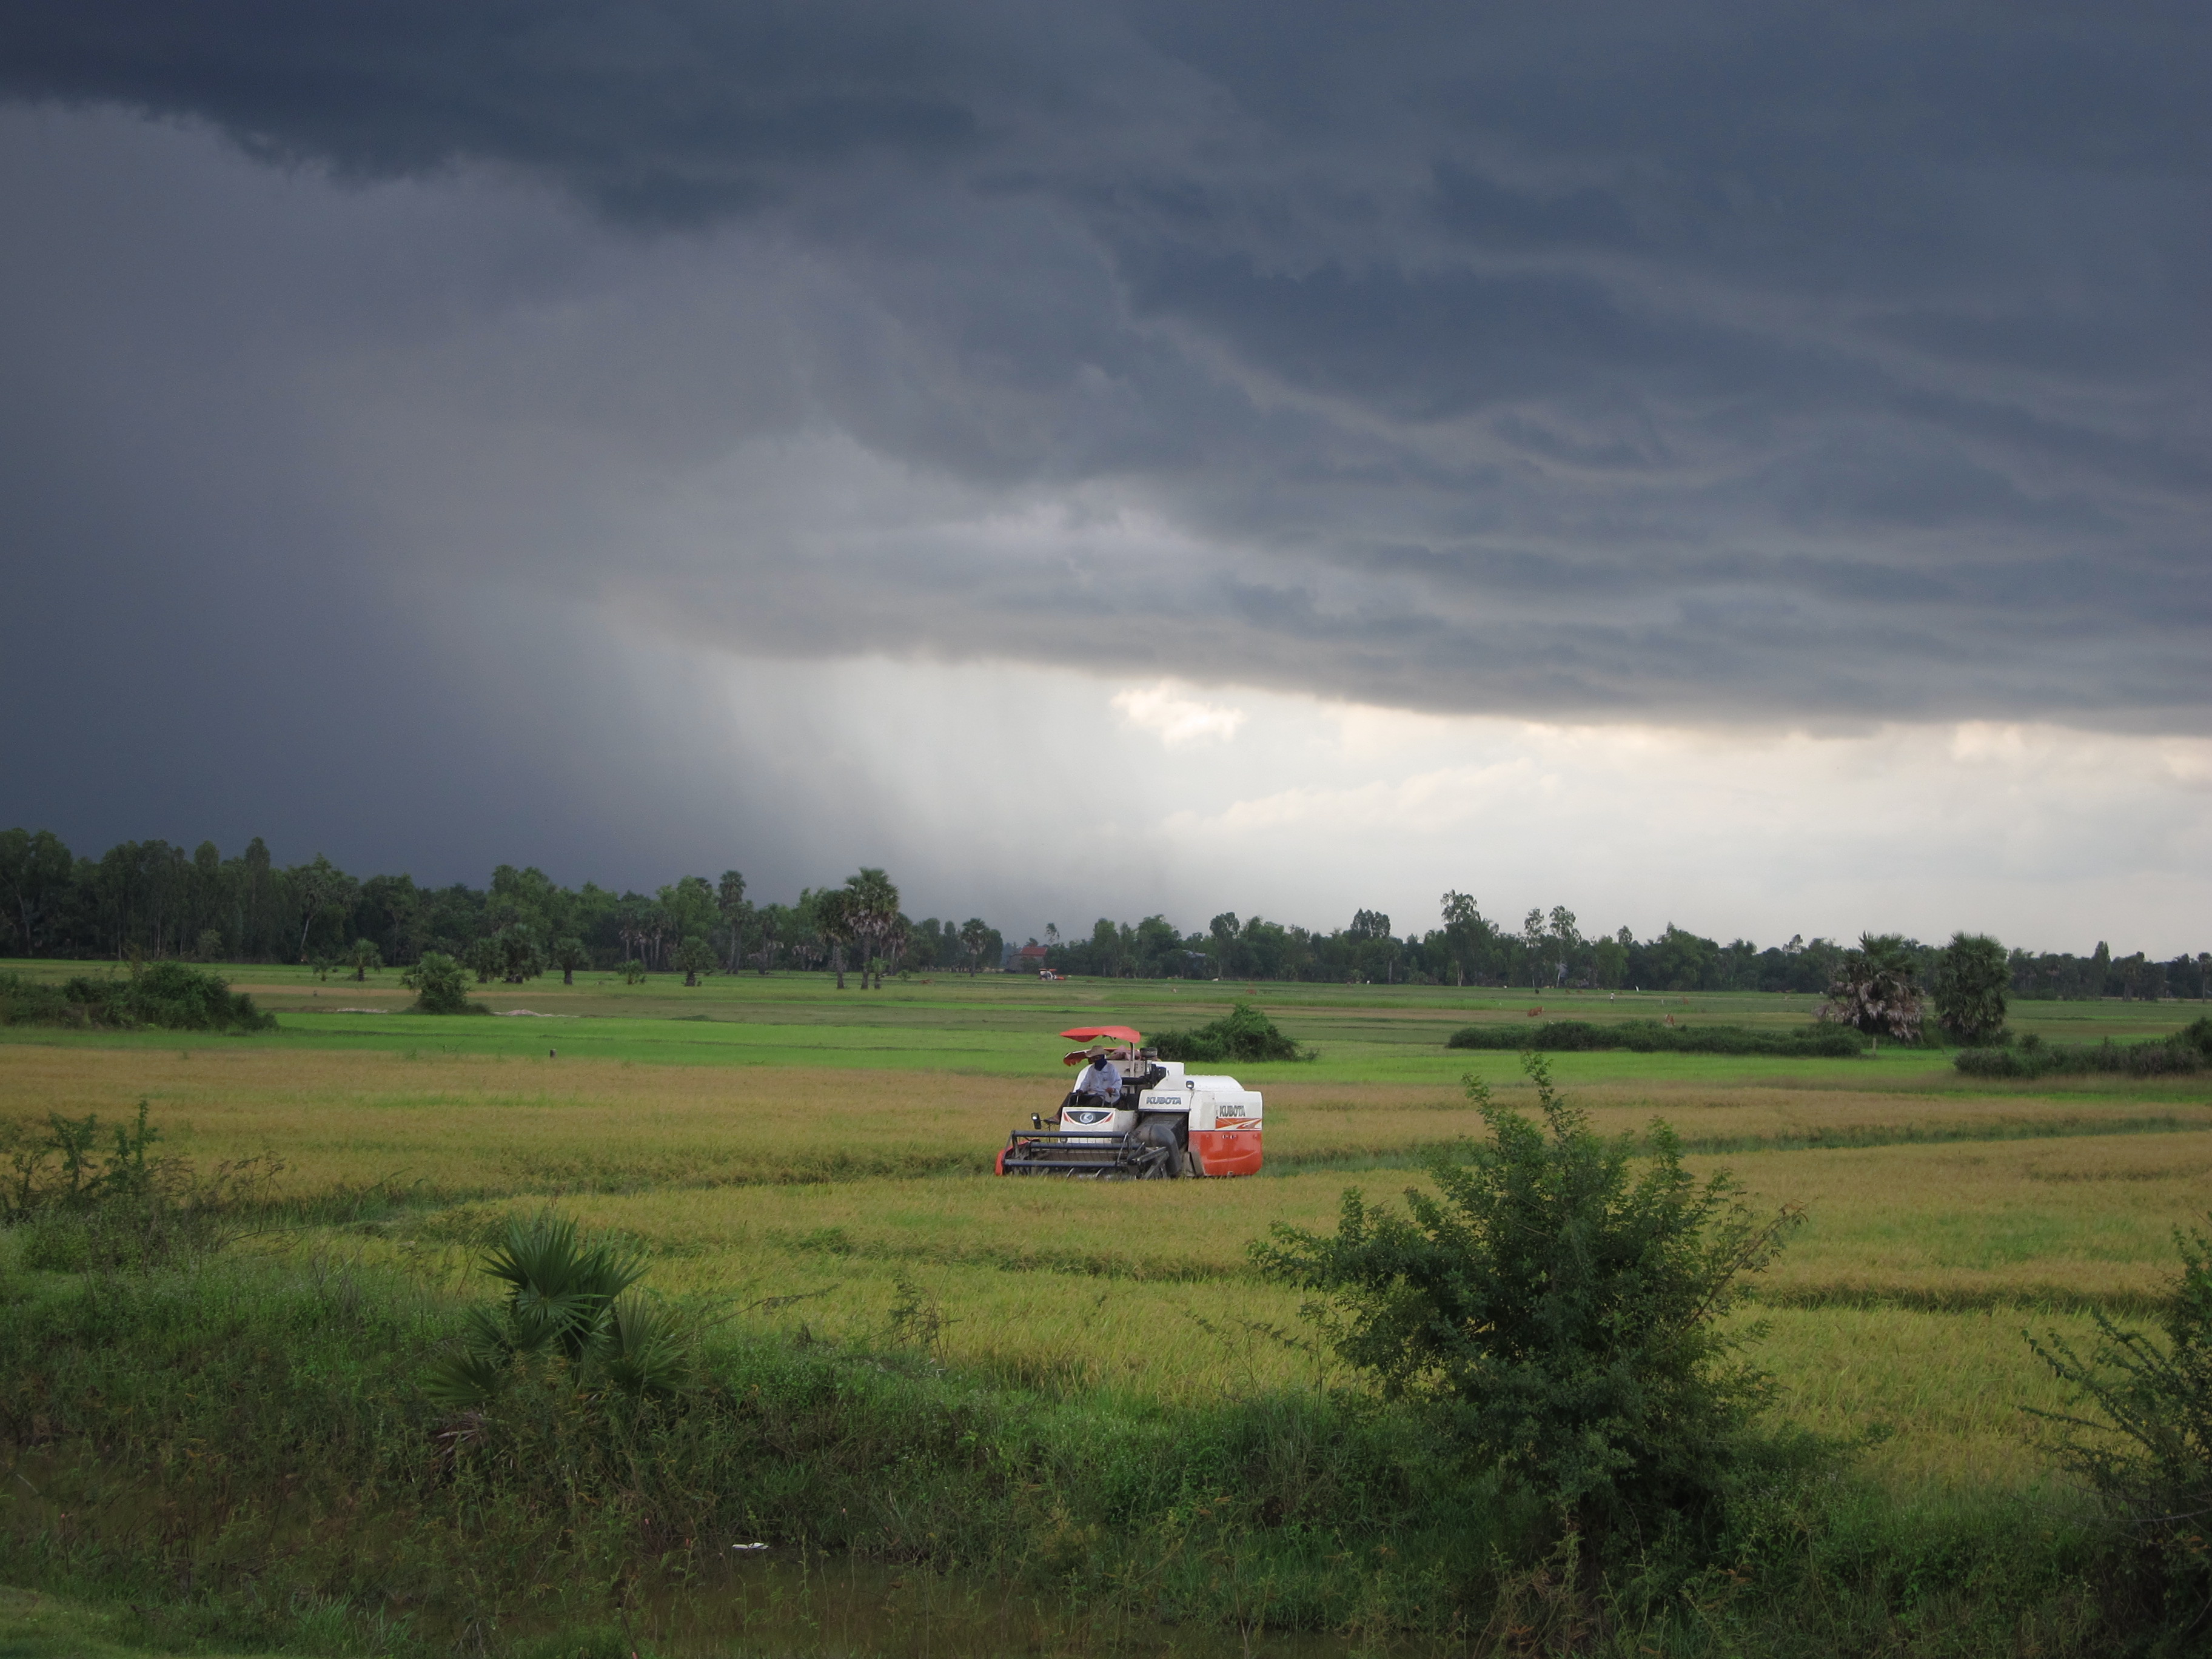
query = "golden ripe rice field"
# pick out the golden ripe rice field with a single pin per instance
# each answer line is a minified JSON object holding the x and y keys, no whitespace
{"x":813,"y":1199}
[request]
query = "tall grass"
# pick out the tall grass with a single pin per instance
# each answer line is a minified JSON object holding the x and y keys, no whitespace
{"x":231,"y":1446}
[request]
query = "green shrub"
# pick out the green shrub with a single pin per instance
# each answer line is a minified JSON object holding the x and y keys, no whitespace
{"x":1560,"y":1315}
{"x":178,"y":998}
{"x":171,"y":995}
{"x":570,"y":1302}
{"x":2148,"y":1450}
{"x":1243,"y":1033}
{"x":2181,"y":1055}
{"x":441,"y":985}
{"x":1646,"y":1037}
{"x":24,"y":1001}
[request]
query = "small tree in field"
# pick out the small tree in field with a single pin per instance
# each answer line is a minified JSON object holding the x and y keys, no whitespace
{"x":569,"y":955}
{"x":1560,"y":1310}
{"x":364,"y":959}
{"x":440,"y":985}
{"x":1972,"y":978}
{"x":694,"y":959}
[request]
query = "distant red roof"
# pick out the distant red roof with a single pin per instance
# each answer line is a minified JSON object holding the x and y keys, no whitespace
{"x":1092,"y":1033}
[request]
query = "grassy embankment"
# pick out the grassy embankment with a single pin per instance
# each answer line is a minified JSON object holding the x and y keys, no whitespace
{"x":1944,"y":1215}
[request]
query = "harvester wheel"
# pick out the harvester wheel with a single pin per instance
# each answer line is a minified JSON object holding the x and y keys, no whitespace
{"x":1167,"y":1163}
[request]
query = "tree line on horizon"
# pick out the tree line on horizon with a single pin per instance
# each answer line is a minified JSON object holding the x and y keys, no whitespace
{"x":1549,"y":951}
{"x":153,"y":900}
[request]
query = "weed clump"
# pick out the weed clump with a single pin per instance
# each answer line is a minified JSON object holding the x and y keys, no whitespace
{"x":83,"y":1208}
{"x":1243,"y":1033}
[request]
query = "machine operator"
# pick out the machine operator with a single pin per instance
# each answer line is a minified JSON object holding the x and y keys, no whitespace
{"x":1101,"y":1079}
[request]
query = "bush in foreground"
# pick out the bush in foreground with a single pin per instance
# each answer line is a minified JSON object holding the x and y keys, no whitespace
{"x":2148,"y":1451}
{"x":1559,"y":1314}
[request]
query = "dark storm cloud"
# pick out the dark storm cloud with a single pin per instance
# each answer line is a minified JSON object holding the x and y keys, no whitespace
{"x":663,"y":112}
{"x":1722,"y":361}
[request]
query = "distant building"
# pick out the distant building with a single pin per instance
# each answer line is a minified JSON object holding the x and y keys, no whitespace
{"x":1029,"y":959}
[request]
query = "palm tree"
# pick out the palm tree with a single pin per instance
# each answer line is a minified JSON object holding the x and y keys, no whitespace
{"x":572,"y":1300}
{"x":1875,"y":990}
{"x":833,"y":921}
{"x":873,"y":919}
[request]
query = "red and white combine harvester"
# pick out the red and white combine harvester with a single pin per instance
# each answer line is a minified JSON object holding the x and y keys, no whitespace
{"x":1163,"y":1123}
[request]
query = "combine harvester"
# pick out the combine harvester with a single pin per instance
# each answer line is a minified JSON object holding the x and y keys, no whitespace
{"x":1165,"y":1124}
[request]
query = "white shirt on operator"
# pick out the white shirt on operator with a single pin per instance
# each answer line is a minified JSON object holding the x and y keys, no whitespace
{"x":1103,"y":1078}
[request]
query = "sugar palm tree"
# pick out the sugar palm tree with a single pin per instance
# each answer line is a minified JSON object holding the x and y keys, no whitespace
{"x":1875,"y":990}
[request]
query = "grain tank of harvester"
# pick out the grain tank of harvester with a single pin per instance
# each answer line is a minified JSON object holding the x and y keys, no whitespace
{"x":1165,"y":1122}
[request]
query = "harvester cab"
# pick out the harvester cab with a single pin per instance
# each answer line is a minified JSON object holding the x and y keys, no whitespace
{"x":1163,"y":1123}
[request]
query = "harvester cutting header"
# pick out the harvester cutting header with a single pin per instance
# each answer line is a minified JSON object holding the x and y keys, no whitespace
{"x":1133,"y":1116}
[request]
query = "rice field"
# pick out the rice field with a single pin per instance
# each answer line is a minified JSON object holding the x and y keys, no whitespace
{"x":808,"y":1163}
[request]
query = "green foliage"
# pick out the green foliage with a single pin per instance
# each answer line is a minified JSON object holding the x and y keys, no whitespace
{"x":633,"y":972}
{"x":2148,"y":1450}
{"x":179,"y":998}
{"x":192,"y":1408}
{"x":364,"y":958}
{"x":1243,"y":1033}
{"x":693,"y":958}
{"x":1972,"y":975}
{"x":441,"y":985}
{"x":170,"y":995}
{"x":1559,"y":1313}
{"x":59,"y":1166}
{"x":510,"y":954}
{"x":87,"y":1195}
{"x":1645,"y":1036}
{"x":569,"y":955}
{"x":27,"y":1002}
{"x":569,"y":1301}
{"x":2185,"y":1052}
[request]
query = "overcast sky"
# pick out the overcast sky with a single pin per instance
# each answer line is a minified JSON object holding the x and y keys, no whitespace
{"x":1747,"y":465}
